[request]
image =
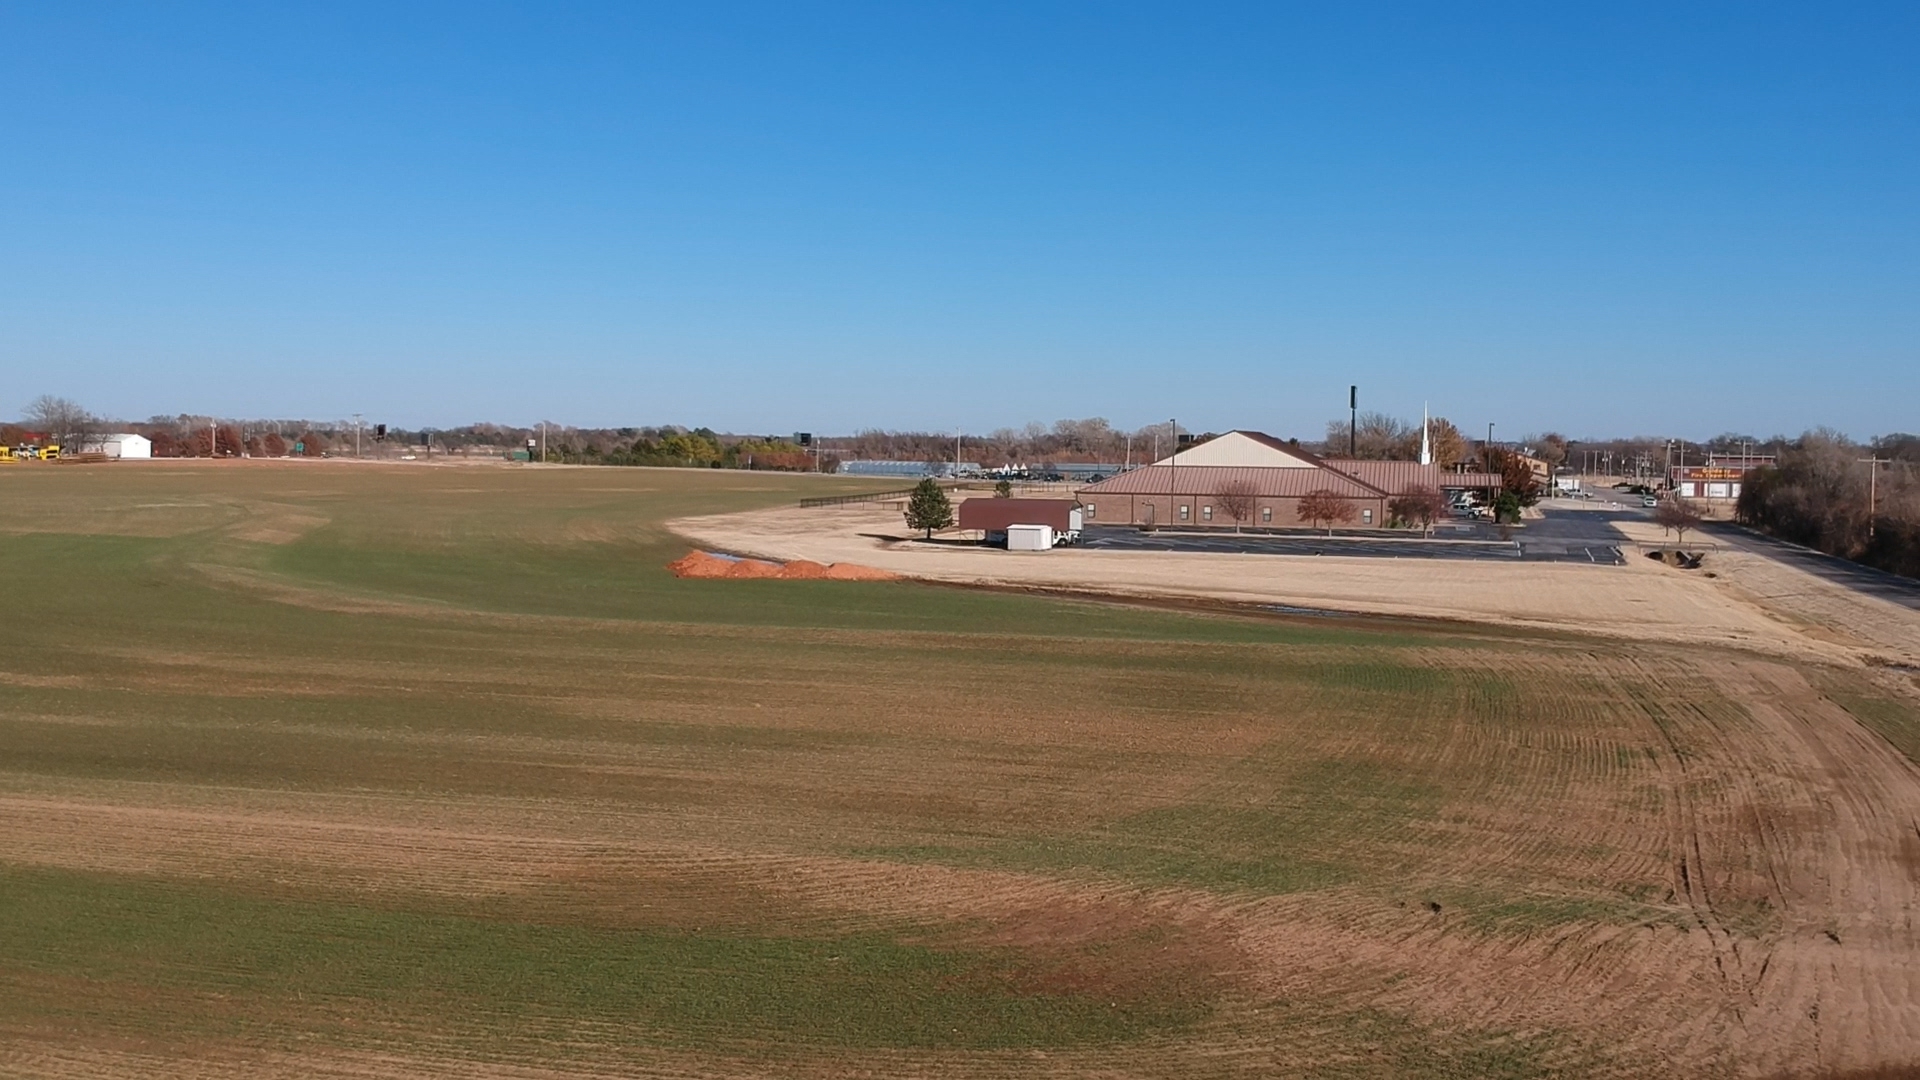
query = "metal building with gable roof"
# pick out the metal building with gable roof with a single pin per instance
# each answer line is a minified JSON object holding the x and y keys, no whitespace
{"x":1186,"y":488}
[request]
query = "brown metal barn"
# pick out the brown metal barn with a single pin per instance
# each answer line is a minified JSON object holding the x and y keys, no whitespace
{"x":992,"y":516}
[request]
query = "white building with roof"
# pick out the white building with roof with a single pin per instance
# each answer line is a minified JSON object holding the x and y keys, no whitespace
{"x":124,"y":445}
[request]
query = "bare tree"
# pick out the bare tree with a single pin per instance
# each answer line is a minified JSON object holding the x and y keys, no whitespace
{"x":1550,"y":448}
{"x":1376,"y":436}
{"x":1419,"y":504}
{"x":1236,"y":499}
{"x":1676,"y":516}
{"x":1321,"y":505}
{"x":61,"y":420}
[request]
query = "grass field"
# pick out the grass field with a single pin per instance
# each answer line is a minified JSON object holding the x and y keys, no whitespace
{"x":319,"y":769}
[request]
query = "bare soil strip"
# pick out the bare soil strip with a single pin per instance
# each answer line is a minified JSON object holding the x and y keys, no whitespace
{"x":1750,"y":602}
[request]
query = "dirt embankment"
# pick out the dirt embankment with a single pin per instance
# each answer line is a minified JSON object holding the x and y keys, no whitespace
{"x":701,"y":564}
{"x":1642,"y":601}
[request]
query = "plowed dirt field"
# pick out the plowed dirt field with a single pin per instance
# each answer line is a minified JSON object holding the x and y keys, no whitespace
{"x":405,"y":771}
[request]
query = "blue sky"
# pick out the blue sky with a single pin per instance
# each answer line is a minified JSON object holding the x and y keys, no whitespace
{"x":1591,"y":218}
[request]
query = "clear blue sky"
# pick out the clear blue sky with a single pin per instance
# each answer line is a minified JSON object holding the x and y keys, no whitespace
{"x":1597,"y":218}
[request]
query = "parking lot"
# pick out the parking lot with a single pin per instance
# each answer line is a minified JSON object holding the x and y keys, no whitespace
{"x":1562,"y":535}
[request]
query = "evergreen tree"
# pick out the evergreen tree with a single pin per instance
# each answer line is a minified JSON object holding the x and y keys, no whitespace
{"x":929,"y":508}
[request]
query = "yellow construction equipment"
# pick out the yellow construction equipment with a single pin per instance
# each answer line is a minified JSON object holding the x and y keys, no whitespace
{"x":6,"y":456}
{"x":50,"y":453}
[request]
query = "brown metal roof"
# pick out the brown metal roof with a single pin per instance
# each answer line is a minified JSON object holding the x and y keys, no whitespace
{"x":1397,"y":477}
{"x":1206,"y":480}
{"x":1470,"y":480}
{"x":994,"y":515}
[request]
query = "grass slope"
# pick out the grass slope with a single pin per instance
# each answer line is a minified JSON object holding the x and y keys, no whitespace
{"x":442,"y":761}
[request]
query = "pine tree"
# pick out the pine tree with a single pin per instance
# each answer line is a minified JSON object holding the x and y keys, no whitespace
{"x":929,"y":508}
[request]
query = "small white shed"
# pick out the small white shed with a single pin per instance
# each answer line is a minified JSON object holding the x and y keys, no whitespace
{"x":1029,"y":538}
{"x":126,"y":445}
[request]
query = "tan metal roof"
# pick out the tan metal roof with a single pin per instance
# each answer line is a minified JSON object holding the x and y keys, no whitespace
{"x":1208,"y":480}
{"x":1292,"y":472}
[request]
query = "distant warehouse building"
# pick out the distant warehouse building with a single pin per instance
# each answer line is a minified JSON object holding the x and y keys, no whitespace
{"x":906,"y":469}
{"x":1199,"y":485}
{"x":127,"y":445}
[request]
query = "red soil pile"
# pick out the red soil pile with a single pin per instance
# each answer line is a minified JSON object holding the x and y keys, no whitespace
{"x":846,"y":571}
{"x":699,"y":564}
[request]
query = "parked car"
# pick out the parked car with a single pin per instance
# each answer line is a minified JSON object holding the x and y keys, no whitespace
{"x":1649,"y":501}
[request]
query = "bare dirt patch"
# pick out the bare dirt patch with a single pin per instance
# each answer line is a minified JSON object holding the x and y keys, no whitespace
{"x":700,"y":564}
{"x":276,"y":523}
{"x":1359,"y":848}
{"x":1647,"y":602}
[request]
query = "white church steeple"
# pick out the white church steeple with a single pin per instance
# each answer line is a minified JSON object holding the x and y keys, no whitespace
{"x":1426,"y":445}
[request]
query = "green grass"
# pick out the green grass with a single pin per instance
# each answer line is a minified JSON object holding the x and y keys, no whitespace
{"x":297,"y":965}
{"x":532,"y":682}
{"x":1898,"y":722}
{"x":1296,"y":840}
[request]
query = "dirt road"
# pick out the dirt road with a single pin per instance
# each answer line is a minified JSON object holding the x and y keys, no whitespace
{"x":1749,"y":601}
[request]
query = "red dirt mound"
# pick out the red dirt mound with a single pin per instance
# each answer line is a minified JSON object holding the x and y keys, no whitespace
{"x":846,"y":571}
{"x":753,"y":568}
{"x":699,"y":564}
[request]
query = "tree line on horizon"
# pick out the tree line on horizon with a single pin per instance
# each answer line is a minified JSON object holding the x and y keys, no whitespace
{"x":1819,"y":492}
{"x":1859,"y":501}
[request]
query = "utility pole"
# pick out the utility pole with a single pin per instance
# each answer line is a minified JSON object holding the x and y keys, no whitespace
{"x":1873,"y":489}
{"x":543,"y":442}
{"x":356,"y":434}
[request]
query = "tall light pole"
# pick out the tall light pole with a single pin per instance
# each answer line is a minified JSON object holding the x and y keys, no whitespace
{"x":356,"y":434}
{"x":1173,"y":493}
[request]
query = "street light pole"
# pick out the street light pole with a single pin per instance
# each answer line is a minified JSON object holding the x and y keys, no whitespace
{"x":1173,"y":493}
{"x":356,"y":434}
